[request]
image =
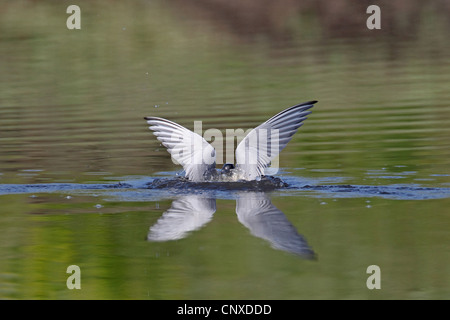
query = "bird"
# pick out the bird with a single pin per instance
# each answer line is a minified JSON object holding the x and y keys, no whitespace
{"x":253,"y":154}
{"x":254,"y":210}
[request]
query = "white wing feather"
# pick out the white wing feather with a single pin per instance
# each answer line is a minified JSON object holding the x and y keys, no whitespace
{"x":256,"y":151}
{"x":255,"y":211}
{"x":186,"y":214}
{"x":187,"y":148}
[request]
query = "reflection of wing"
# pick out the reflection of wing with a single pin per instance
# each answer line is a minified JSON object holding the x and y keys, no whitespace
{"x":264,"y":143}
{"x":186,"y":214}
{"x":188,"y":148}
{"x":264,"y":220}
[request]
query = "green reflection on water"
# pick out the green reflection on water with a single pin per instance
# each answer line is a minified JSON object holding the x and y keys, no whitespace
{"x":222,"y":260}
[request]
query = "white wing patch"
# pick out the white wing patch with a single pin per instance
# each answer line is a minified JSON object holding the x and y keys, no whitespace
{"x":264,"y":143}
{"x":186,"y":214}
{"x":187,"y":148}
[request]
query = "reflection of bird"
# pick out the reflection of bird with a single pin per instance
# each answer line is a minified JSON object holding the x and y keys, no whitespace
{"x":186,"y":214}
{"x":253,"y":154}
{"x":264,"y":220}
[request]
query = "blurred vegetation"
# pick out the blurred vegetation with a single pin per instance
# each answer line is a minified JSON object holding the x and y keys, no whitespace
{"x":73,"y":100}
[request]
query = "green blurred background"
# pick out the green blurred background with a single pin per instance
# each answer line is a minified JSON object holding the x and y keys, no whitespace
{"x":71,"y":110}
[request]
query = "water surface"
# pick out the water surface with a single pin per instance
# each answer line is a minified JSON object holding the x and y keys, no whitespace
{"x":368,"y":172}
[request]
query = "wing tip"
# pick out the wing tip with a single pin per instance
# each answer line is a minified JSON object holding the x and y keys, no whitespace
{"x":152,"y":118}
{"x":307,"y":103}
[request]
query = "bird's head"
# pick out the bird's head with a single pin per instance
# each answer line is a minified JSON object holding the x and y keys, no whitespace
{"x":226,"y":169}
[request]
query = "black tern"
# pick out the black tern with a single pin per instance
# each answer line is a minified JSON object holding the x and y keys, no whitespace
{"x":253,"y":154}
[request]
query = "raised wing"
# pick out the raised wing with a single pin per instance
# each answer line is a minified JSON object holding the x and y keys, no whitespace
{"x":264,"y":220}
{"x":258,"y":149}
{"x":186,"y":214}
{"x":187,"y":148}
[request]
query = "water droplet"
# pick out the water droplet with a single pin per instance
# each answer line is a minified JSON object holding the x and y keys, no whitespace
{"x":369,"y":206}
{"x":323,"y":202}
{"x":68,"y":197}
{"x":98,"y":206}
{"x":156,"y":106}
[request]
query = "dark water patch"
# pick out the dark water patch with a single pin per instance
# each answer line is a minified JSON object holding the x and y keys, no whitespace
{"x":57,"y":187}
{"x":267,"y":183}
{"x":400,"y":192}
